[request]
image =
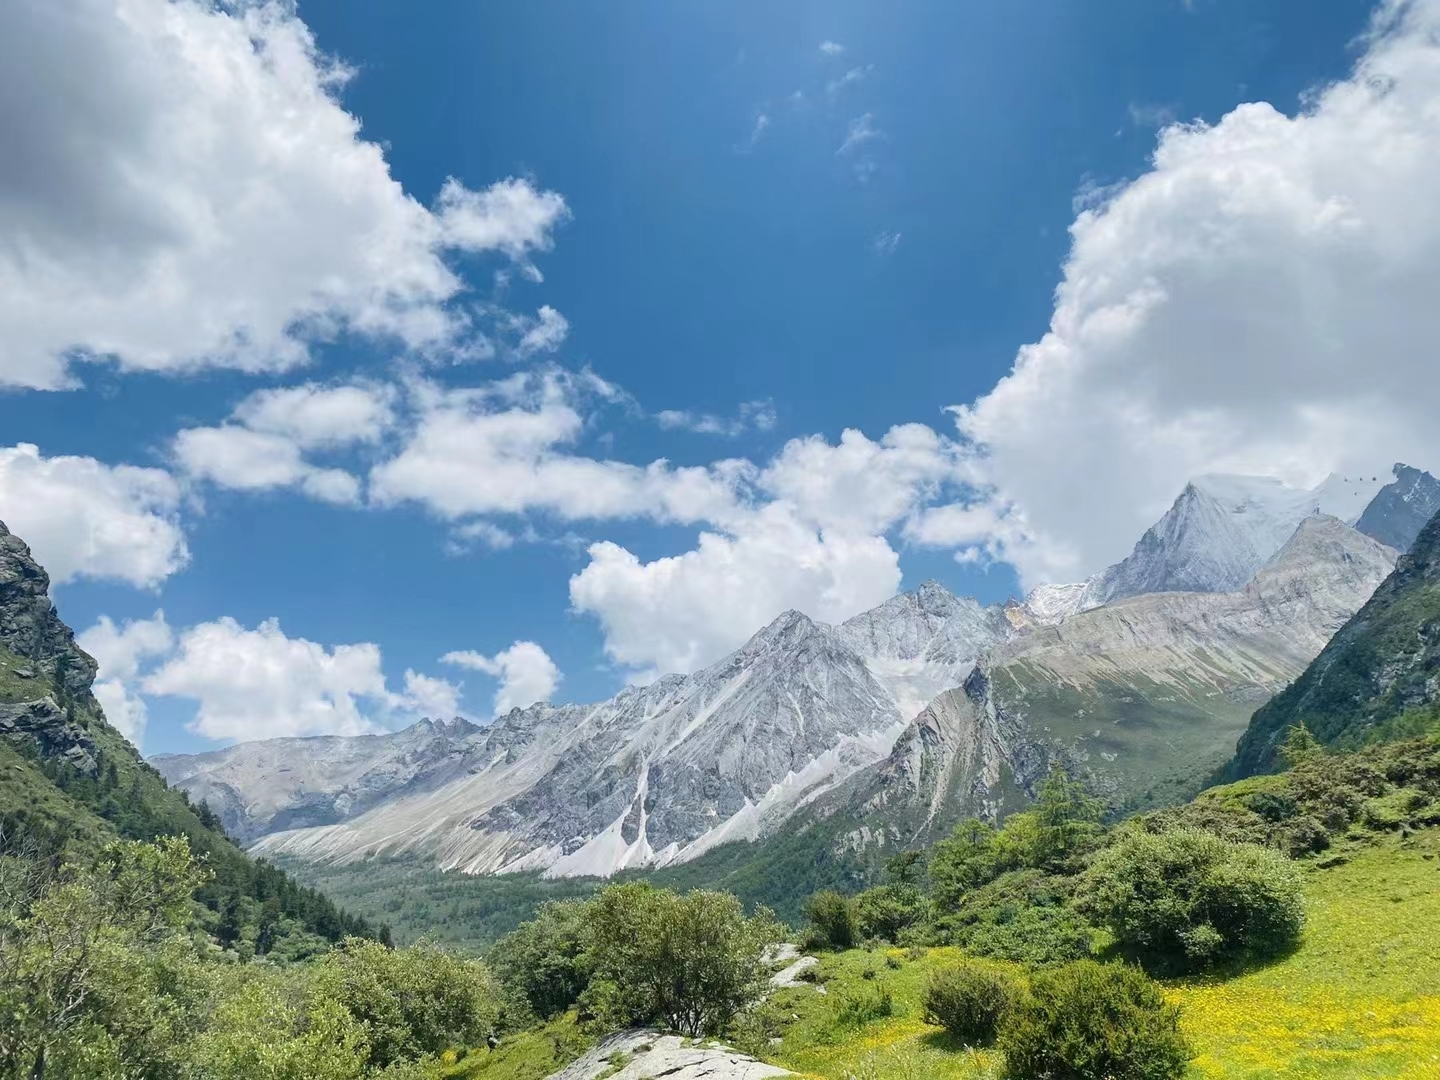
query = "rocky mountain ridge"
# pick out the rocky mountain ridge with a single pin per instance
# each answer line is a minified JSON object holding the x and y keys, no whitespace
{"x":1217,"y":535}
{"x":658,"y":774}
{"x":1124,"y":695}
{"x":1381,"y":669}
{"x":886,"y":716}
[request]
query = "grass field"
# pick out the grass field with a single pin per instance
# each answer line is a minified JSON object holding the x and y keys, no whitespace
{"x":1360,"y":998}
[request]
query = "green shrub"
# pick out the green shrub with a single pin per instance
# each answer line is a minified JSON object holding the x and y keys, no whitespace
{"x":863,"y":1004}
{"x":832,"y":921}
{"x":888,"y":910}
{"x":543,"y":962}
{"x":691,"y":962}
{"x":1026,"y":916}
{"x":968,"y":1001}
{"x":409,"y":1002}
{"x":1090,"y":1021}
{"x":1189,"y":899}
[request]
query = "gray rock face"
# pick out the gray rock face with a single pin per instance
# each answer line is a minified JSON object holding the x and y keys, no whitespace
{"x":263,"y":787}
{"x":650,"y":1054}
{"x":1402,"y":508}
{"x":655,"y":775}
{"x":29,"y":627}
{"x":44,"y":723}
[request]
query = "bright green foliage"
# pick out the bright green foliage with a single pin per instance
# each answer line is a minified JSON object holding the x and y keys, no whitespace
{"x":411,"y":1002}
{"x":1190,"y":899}
{"x":887,"y":911}
{"x":832,"y":921}
{"x":1067,"y":820}
{"x":969,"y":1001}
{"x":96,"y":973}
{"x":544,"y":960}
{"x":1025,"y":915}
{"x":1090,"y":1021}
{"x":691,"y":962}
{"x":261,"y":1030}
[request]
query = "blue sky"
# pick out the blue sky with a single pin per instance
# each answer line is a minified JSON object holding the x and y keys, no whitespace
{"x":754,"y":226}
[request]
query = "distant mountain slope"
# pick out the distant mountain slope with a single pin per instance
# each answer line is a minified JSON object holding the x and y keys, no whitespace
{"x":68,"y":780}
{"x":1402,"y":508}
{"x":1384,"y":662}
{"x":1218,"y":533}
{"x":1144,"y":696}
{"x":657,"y":775}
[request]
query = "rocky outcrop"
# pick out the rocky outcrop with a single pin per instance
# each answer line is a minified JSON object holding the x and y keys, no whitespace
{"x":29,"y":626}
{"x":647,"y":1054}
{"x":45,"y":724}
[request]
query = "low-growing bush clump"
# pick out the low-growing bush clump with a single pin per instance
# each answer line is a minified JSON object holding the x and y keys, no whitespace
{"x":1091,"y":1021}
{"x":1189,"y":899}
{"x":969,"y":1002}
{"x":832,"y":923}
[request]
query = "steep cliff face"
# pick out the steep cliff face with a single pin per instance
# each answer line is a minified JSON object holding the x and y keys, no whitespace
{"x":1402,"y":508}
{"x":44,"y":675}
{"x":1382,"y":664}
{"x":29,"y":626}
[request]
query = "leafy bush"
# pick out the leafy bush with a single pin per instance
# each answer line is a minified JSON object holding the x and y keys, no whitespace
{"x":543,"y":961}
{"x":1025,"y":915}
{"x":888,"y":910}
{"x":691,"y":961}
{"x":1090,"y":1021}
{"x":832,"y":920}
{"x":861,"y":1005}
{"x":968,"y":1001}
{"x":1190,"y":899}
{"x":411,"y":1002}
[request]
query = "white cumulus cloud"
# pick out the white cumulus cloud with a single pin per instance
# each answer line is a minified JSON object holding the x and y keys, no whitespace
{"x":181,"y":187}
{"x":1260,"y":300}
{"x":261,"y":684}
{"x":525,"y":671}
{"x":120,"y":651}
{"x":83,"y":518}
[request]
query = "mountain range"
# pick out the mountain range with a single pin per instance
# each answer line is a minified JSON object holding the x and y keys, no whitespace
{"x":889,"y":725}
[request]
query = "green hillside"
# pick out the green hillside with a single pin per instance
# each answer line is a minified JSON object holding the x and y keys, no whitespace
{"x":70,"y":783}
{"x":1378,"y":678}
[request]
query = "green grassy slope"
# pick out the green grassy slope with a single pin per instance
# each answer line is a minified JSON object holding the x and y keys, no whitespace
{"x":1360,"y":998}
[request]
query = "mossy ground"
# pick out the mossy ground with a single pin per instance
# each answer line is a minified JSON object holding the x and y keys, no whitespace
{"x":1359,"y":998}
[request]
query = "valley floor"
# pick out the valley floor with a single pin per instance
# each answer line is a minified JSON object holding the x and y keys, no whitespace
{"x":1359,"y":999}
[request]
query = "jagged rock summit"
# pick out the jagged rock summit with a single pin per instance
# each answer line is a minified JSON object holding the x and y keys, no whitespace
{"x":1143,"y":696}
{"x":1402,"y":508}
{"x":1218,"y":533}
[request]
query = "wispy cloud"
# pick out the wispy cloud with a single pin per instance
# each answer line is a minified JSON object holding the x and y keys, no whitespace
{"x":885,"y":243}
{"x":762,"y":125}
{"x":1151,"y":116}
{"x":831,"y":48}
{"x":854,"y":75}
{"x":861,"y":131}
{"x":756,"y":415}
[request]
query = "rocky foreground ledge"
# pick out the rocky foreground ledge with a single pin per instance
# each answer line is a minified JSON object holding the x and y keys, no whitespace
{"x":642,"y":1054}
